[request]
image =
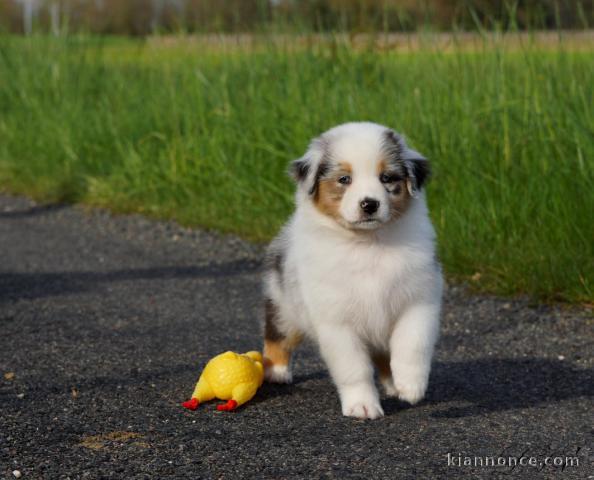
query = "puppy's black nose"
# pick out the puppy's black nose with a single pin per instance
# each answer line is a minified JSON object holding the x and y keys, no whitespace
{"x":369,"y":205}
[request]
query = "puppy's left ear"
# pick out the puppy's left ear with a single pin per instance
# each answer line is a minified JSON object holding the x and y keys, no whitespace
{"x":416,"y":166}
{"x":417,"y":171}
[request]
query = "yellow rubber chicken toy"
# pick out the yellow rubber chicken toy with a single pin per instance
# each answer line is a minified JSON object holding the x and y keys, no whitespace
{"x":229,"y":376}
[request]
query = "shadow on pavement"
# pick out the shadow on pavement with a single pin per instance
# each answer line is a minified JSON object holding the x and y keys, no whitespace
{"x":486,"y":385}
{"x":17,"y":286}
{"x":32,"y":211}
{"x":491,"y":385}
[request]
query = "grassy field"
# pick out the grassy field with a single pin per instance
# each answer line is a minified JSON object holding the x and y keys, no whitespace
{"x":203,"y":133}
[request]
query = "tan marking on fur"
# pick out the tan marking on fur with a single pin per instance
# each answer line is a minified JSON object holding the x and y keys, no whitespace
{"x":381,"y":166}
{"x":293,"y":340}
{"x":329,"y":193}
{"x":399,"y":201}
{"x":279,"y":352}
{"x":382,"y":363}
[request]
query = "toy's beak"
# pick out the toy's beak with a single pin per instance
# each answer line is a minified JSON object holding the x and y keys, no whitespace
{"x":255,"y":356}
{"x":191,"y":404}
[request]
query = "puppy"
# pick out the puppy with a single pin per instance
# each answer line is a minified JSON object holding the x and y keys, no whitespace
{"x":355,"y":269}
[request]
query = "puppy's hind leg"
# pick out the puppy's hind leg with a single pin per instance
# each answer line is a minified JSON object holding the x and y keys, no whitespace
{"x":382,"y":364}
{"x":278,"y":347}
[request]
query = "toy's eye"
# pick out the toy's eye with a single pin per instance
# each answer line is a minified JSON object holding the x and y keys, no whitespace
{"x":345,"y":180}
{"x":385,"y":178}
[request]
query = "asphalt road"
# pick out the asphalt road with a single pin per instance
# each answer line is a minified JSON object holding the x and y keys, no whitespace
{"x":106,"y":323}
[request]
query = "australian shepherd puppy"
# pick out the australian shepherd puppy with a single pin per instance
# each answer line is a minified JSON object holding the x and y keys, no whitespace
{"x":355,"y":268}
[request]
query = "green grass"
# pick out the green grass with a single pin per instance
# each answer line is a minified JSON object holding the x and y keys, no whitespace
{"x":204,"y":134}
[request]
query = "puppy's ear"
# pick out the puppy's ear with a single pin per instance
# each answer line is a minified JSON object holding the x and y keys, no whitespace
{"x":299,"y":169}
{"x":308,"y":170}
{"x":417,"y":171}
{"x":416,"y":166}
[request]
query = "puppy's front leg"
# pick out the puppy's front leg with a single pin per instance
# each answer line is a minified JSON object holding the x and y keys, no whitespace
{"x":350,"y":366}
{"x":411,"y":349}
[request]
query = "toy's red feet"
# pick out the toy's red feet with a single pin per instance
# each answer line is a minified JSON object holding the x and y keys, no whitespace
{"x":230,"y":405}
{"x":191,"y":404}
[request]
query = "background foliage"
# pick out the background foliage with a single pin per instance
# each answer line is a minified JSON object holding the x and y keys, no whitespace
{"x":141,"y":17}
{"x":203,"y":133}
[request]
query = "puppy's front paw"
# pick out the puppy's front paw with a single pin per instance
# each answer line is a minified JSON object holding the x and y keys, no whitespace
{"x":410,"y":391}
{"x":360,"y":402}
{"x":410,"y":381}
{"x":278,"y":374}
{"x":363,"y":410}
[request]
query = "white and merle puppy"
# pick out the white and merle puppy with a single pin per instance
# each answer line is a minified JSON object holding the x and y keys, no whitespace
{"x":355,"y":268}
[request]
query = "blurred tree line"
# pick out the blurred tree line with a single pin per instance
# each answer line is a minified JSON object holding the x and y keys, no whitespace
{"x":141,"y":17}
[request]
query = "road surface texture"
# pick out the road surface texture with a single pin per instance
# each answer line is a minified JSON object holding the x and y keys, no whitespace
{"x":107,"y":320}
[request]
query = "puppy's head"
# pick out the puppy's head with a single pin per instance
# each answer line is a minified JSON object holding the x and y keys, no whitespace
{"x":362,"y":175}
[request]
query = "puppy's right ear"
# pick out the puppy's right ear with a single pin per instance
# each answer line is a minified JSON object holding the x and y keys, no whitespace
{"x":299,"y":169}
{"x":307,"y":170}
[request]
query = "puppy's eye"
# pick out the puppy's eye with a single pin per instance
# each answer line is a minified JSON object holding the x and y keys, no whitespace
{"x":386,"y":178}
{"x":345,"y":180}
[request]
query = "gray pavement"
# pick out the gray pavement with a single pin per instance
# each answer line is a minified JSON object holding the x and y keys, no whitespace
{"x":107,"y":320}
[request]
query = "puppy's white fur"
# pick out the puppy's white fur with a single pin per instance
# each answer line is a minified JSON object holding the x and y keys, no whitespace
{"x":359,"y":287}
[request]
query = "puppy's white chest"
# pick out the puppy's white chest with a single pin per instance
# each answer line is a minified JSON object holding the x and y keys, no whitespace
{"x":355,"y":284}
